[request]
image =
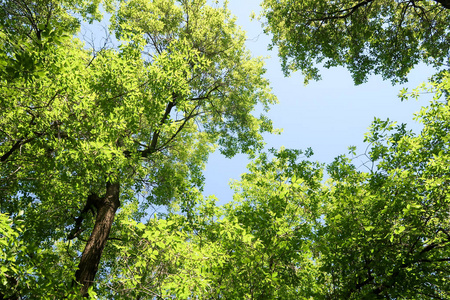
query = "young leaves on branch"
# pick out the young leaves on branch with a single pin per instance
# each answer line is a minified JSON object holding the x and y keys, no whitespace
{"x":367,"y":36}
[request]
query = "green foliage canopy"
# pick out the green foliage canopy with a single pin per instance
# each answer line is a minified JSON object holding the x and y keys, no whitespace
{"x":367,"y":36}
{"x":386,"y":232}
{"x":115,"y":130}
{"x":380,"y":233}
{"x":90,"y":139}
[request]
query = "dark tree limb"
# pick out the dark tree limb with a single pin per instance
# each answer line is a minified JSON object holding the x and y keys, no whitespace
{"x":89,"y":206}
{"x":342,"y":14}
{"x":11,"y":151}
{"x":152,"y":147}
{"x":90,"y":259}
{"x":189,"y":117}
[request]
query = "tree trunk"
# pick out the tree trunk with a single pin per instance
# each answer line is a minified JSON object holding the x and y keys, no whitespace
{"x":106,"y":210}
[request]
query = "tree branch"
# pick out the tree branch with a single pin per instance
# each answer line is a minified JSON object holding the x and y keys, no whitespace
{"x":152,"y":148}
{"x":190,"y":116}
{"x":91,"y":203}
{"x":349,"y":12}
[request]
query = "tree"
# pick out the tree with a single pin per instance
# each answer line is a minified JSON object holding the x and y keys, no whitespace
{"x":84,"y":134}
{"x":368,"y":36}
{"x":256,"y":247}
{"x":381,"y":233}
{"x":385,"y":232}
{"x":91,"y":139}
{"x":271,"y":219}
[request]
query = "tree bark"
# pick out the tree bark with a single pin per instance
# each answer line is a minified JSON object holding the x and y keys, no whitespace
{"x":106,"y":209}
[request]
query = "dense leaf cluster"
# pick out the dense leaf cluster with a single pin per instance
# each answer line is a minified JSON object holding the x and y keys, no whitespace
{"x":367,"y":36}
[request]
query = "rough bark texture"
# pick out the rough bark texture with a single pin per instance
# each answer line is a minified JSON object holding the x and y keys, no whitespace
{"x":106,"y":210}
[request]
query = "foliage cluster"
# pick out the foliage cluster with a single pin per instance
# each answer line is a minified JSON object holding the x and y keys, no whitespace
{"x":366,"y":36}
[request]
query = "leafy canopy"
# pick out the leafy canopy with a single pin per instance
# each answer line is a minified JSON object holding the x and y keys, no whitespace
{"x":92,"y":137}
{"x":91,"y":140}
{"x":367,"y":36}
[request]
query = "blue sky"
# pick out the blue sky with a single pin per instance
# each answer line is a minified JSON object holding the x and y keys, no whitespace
{"x":329,"y":115}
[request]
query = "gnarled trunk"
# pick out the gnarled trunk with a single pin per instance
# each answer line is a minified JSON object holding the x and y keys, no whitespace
{"x":106,"y":210}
